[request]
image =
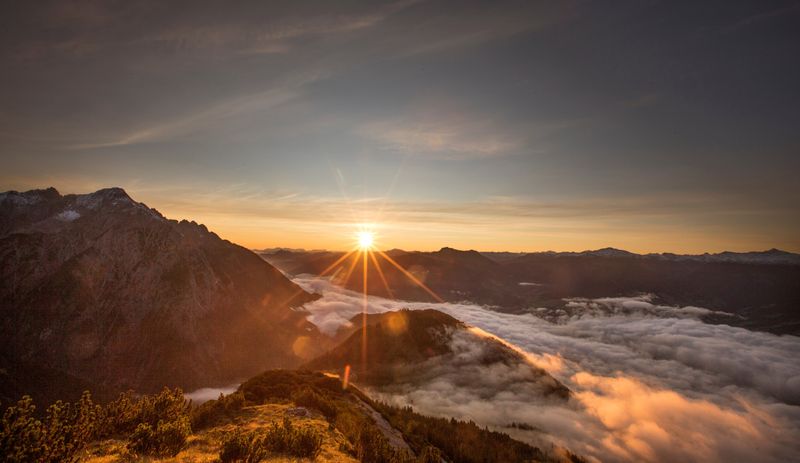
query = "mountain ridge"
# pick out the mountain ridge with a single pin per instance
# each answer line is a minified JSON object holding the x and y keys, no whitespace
{"x":108,"y":290}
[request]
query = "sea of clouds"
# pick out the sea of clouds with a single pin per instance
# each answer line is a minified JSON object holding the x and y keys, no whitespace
{"x":649,"y":382}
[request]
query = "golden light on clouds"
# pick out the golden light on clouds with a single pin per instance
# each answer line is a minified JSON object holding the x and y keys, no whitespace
{"x":652,"y":425}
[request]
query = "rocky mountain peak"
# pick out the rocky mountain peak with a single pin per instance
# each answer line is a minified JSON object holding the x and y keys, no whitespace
{"x":107,"y":290}
{"x":114,"y":196}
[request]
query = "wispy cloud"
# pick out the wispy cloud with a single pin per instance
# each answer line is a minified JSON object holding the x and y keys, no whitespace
{"x":255,"y":202}
{"x":442,"y":137}
{"x":84,"y":27}
{"x":276,"y":35}
{"x":475,"y":25}
{"x":205,"y":118}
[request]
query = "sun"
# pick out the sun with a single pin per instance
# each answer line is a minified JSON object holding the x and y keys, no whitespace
{"x":365,"y":239}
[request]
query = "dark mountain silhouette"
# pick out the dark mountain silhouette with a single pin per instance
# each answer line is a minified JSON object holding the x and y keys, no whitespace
{"x":761,"y":289}
{"x":770,"y":256}
{"x":110,"y":292}
{"x":764,"y":296}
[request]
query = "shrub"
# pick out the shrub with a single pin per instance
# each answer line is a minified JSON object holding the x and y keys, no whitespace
{"x":349,"y":423}
{"x":143,"y":439}
{"x":307,"y":397}
{"x":430,"y":454}
{"x":372,"y":447}
{"x":238,"y":447}
{"x":288,"y":440}
{"x":214,"y":411}
{"x":66,"y":429}
{"x":120,"y":416}
{"x":282,"y":439}
{"x":303,"y":443}
{"x":242,"y":447}
{"x":459,"y":441}
{"x":278,"y":438}
{"x":165,"y":440}
{"x":123,"y":416}
{"x":156,"y":424}
{"x":277,"y":385}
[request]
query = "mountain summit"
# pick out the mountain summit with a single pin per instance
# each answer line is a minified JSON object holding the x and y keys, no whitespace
{"x":104,"y":290}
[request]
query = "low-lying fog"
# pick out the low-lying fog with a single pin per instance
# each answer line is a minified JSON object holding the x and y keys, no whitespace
{"x":650,"y":383}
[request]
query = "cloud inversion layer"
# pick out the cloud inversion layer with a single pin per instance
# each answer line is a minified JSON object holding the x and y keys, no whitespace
{"x":648,"y":386}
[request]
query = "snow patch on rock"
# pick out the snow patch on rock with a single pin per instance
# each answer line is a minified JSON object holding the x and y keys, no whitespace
{"x":20,"y":199}
{"x":68,"y":216}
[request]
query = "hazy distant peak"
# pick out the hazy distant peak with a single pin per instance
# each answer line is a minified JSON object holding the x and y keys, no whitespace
{"x":609,"y":252}
{"x":449,"y":250}
{"x":460,"y":254}
{"x":770,"y":256}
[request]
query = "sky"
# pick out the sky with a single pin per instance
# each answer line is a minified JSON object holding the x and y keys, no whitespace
{"x":651,"y":126}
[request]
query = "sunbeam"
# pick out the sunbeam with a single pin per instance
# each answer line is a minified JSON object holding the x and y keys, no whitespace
{"x":381,"y":275}
{"x":411,"y":277}
{"x":364,"y":313}
{"x":338,"y":261}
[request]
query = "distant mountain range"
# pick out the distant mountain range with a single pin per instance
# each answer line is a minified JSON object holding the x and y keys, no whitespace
{"x":101,"y":291}
{"x":761,"y":289}
{"x":772,"y":256}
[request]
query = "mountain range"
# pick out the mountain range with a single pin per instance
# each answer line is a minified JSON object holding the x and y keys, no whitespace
{"x":101,"y":290}
{"x":771,"y":256}
{"x":759,"y":291}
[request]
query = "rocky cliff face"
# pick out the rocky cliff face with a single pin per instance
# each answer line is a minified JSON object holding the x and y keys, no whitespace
{"x":108,"y":290}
